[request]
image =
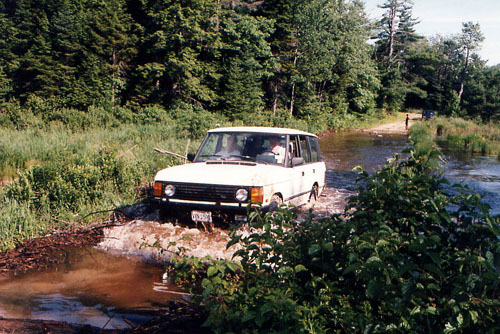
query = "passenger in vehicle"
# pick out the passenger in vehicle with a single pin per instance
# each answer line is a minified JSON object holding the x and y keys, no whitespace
{"x":277,"y":148}
{"x":231,"y":148}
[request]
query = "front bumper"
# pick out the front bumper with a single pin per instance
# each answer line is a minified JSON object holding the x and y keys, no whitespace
{"x":220,"y":212}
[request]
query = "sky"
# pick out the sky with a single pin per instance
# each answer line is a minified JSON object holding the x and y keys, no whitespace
{"x":445,"y":17}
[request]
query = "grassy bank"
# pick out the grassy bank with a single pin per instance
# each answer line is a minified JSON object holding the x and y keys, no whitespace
{"x":57,"y":177}
{"x":467,"y":135}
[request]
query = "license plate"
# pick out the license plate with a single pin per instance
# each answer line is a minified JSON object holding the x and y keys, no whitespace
{"x":201,"y":216}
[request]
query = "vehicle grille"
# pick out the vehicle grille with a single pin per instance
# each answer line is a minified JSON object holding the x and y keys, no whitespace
{"x":205,"y":192}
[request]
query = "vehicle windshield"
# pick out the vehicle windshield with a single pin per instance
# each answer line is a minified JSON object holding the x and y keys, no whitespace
{"x":238,"y":146}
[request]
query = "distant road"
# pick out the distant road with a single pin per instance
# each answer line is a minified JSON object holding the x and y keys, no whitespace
{"x":395,"y":127}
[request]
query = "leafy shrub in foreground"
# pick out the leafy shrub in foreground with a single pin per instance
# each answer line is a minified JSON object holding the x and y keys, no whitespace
{"x":407,"y":257}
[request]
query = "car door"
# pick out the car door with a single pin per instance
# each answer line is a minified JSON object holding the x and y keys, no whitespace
{"x":317,"y":167}
{"x":298,"y":167}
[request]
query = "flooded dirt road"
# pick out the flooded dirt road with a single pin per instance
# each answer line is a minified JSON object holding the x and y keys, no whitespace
{"x":103,"y":285}
{"x":112,"y":284}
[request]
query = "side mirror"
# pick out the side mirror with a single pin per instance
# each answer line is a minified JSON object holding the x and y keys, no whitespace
{"x":297,"y":161}
{"x":190,"y":157}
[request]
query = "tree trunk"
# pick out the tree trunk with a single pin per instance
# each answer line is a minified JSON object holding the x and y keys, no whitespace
{"x":217,"y":19}
{"x":113,"y":80}
{"x":275,"y":99}
{"x":292,"y":98}
{"x":464,"y":75}
{"x":393,"y":13}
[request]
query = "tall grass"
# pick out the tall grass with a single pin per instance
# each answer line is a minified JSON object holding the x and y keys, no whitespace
{"x":61,"y":175}
{"x":17,"y":222}
{"x":469,"y":135}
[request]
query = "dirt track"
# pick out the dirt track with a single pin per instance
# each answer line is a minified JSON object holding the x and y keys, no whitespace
{"x":395,"y":127}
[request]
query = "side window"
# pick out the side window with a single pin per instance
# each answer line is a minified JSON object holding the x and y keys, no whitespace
{"x":305,"y":149}
{"x":313,"y":144}
{"x":294,"y":147}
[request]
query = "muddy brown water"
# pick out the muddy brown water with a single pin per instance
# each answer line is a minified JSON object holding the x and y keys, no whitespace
{"x":93,"y":287}
{"x":118,"y":279}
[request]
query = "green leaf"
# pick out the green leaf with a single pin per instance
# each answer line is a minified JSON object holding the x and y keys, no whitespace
{"x":351,"y":268}
{"x":248,"y":316}
{"x":374,"y":289}
{"x":373,"y":261}
{"x":233,"y":241}
{"x":328,"y":247}
{"x":474,"y":316}
{"x":299,"y":268}
{"x":212,"y":270}
{"x":382,"y":243}
{"x":314,"y":249}
{"x":231,"y":266}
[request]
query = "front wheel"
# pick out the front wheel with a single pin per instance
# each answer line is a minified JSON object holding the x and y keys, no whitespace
{"x":165,"y":213}
{"x":276,"y":201}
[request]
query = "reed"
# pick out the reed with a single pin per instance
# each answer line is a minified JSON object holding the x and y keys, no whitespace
{"x":469,"y":135}
{"x":421,"y":135}
{"x":18,"y":222}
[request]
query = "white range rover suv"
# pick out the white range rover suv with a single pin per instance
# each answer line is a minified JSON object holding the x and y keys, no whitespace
{"x":238,"y":168}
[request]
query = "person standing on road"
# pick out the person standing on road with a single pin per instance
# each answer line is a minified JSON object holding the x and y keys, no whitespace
{"x":407,"y":122}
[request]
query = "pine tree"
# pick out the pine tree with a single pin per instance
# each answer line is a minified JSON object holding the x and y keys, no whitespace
{"x":247,"y":62}
{"x":110,"y":45}
{"x":182,"y":47}
{"x":8,"y":62}
{"x":470,"y":40}
{"x":396,"y":35}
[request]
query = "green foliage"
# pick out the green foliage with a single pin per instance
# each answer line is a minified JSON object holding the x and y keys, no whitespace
{"x":469,"y":135}
{"x":193,"y":122}
{"x":393,"y":92}
{"x":60,"y":59}
{"x":17,"y":223}
{"x":410,"y":255}
{"x":68,"y":185}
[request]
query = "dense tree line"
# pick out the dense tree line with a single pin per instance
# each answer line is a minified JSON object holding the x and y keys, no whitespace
{"x":307,"y":58}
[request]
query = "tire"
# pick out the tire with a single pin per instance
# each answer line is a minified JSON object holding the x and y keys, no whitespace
{"x":314,"y":195}
{"x":164,"y":214}
{"x":276,"y":201}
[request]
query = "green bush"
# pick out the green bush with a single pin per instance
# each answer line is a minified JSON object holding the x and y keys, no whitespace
{"x":14,"y":117}
{"x":410,"y":255}
{"x":152,"y":114}
{"x":70,"y":185}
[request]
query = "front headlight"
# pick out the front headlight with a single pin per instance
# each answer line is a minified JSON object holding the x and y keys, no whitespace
{"x":241,"y":195}
{"x":170,"y":190}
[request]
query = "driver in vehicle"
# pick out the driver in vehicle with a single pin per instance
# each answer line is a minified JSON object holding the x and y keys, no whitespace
{"x":277,"y":148}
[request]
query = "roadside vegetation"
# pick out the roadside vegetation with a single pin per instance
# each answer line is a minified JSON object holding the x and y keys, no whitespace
{"x":467,"y":135}
{"x":409,"y":255}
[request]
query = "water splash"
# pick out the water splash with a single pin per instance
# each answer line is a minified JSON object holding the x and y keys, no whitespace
{"x":157,"y":241}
